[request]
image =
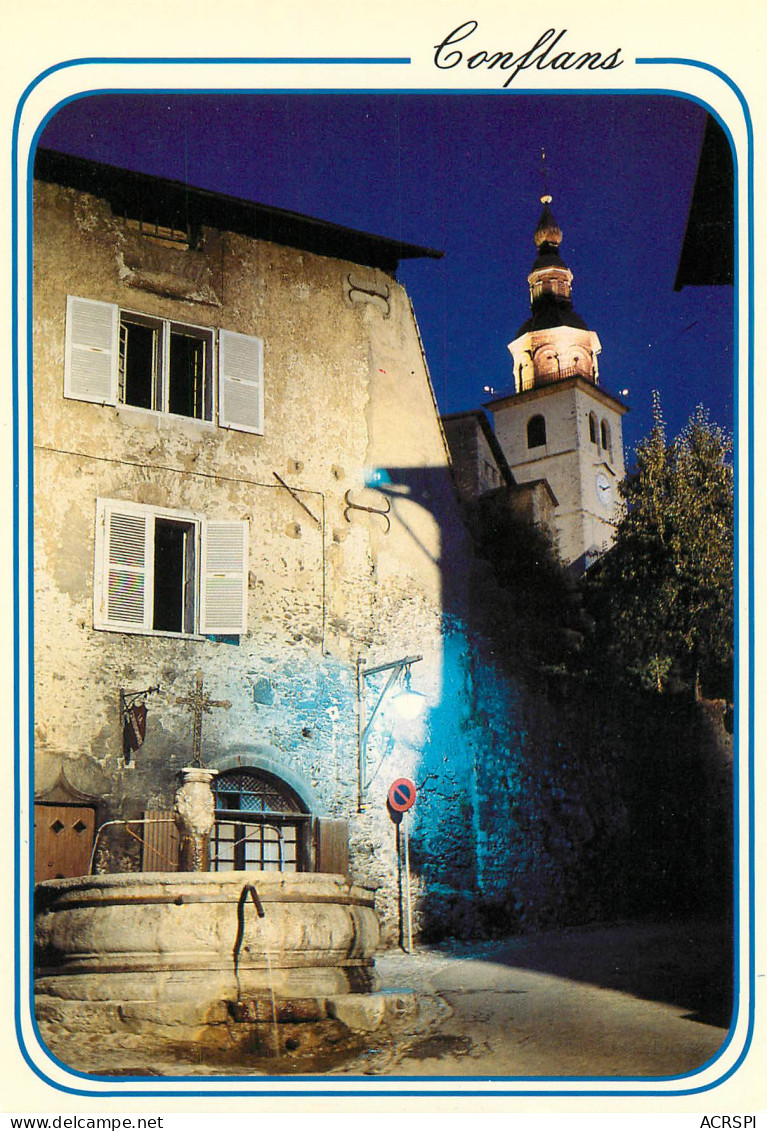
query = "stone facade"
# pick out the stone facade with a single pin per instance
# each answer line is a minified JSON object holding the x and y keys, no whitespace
{"x":582,"y":471}
{"x":354,"y":543}
{"x":479,"y":465}
{"x":480,"y":469}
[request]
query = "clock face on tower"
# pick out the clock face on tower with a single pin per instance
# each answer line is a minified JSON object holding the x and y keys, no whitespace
{"x":604,"y":489}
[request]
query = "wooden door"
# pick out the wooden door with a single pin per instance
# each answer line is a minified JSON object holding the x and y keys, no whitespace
{"x":63,"y":840}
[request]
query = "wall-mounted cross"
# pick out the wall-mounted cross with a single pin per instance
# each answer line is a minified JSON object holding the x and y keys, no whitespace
{"x":200,"y":702}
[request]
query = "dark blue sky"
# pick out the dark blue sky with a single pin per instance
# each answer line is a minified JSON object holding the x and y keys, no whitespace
{"x":462,"y":173}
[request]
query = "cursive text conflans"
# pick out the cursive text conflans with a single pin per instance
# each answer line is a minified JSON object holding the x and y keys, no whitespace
{"x":447,"y":55}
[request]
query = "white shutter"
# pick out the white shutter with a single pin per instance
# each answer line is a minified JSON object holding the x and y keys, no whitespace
{"x":240,"y":382}
{"x":124,"y":566}
{"x":224,"y":579}
{"x":91,"y":350}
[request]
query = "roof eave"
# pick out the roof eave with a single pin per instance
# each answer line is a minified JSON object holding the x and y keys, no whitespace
{"x":125,"y":187}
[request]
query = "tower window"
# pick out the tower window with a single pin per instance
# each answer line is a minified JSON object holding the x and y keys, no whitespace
{"x":593,"y":428}
{"x":605,"y":435}
{"x":536,"y":432}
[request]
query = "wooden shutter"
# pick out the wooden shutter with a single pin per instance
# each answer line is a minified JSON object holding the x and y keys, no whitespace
{"x":332,"y":841}
{"x":124,"y":566}
{"x":240,"y":382}
{"x":224,"y":579}
{"x":91,"y":350}
{"x":160,"y":852}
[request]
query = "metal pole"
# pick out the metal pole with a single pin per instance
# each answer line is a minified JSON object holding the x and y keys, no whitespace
{"x":361,"y":734}
{"x":409,"y":919}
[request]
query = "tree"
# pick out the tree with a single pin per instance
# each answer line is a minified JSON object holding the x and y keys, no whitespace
{"x":662,"y":596}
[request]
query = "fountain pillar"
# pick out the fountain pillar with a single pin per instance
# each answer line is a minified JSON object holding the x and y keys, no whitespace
{"x":195,"y":816}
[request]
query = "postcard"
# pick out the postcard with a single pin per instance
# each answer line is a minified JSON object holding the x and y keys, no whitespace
{"x":382,"y":604}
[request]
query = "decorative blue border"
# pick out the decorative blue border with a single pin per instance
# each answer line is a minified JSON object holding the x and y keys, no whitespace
{"x":748,"y":504}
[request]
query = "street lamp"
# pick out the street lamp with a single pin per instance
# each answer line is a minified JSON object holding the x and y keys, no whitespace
{"x":407,"y":703}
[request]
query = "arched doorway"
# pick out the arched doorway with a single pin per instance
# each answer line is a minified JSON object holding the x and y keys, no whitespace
{"x":261,"y":824}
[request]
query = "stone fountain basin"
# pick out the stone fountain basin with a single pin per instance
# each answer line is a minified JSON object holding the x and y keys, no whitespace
{"x":164,"y":937}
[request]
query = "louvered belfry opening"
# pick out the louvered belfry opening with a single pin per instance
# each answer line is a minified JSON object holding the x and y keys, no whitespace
{"x":260,"y":824}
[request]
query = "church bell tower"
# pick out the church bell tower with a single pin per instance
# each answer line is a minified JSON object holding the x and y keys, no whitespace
{"x":558,"y":425}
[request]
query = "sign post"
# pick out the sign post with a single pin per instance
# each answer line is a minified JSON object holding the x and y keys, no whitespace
{"x":401,"y":799}
{"x":409,"y":916}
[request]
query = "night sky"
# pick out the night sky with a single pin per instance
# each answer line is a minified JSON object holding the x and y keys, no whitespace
{"x":462,"y":173}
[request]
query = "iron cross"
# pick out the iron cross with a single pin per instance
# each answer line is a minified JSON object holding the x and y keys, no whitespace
{"x":200,"y":702}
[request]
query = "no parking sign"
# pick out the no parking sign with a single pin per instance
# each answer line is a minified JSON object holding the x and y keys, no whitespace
{"x":402,"y":795}
{"x":401,"y":799}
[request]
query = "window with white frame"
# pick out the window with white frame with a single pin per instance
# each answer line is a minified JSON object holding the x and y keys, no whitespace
{"x":166,"y":571}
{"x":115,"y":356}
{"x":165,"y":366}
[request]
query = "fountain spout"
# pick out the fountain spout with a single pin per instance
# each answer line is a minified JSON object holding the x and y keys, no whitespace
{"x":248,"y":890}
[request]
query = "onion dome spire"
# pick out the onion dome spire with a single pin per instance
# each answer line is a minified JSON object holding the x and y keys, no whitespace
{"x":548,"y":234}
{"x":554,"y":344}
{"x":550,"y":279}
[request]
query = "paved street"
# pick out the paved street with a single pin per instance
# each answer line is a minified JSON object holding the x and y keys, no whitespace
{"x":633,"y":1000}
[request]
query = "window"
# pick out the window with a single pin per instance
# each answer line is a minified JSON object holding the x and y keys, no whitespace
{"x":165,"y":366}
{"x":115,"y":356}
{"x":491,"y":473}
{"x":593,"y":428}
{"x":260,"y":824}
{"x":174,"y":232}
{"x":536,"y":432}
{"x":605,"y":429}
{"x":164,"y":571}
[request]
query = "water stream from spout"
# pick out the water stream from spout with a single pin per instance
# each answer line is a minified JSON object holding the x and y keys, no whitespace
{"x":250,"y":890}
{"x":275,"y":1032}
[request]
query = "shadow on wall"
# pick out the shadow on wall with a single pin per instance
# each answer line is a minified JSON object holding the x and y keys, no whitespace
{"x":544,"y":797}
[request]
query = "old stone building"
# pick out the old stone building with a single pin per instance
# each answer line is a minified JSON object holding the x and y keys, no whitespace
{"x":232,"y":504}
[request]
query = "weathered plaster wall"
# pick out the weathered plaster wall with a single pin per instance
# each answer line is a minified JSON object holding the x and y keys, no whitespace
{"x":346,"y":392}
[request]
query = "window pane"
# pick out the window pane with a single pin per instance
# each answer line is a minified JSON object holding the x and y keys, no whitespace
{"x":138,"y":363}
{"x":274,"y":840}
{"x":173,"y":576}
{"x":222,"y":848}
{"x":189,"y":385}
